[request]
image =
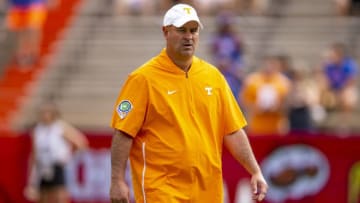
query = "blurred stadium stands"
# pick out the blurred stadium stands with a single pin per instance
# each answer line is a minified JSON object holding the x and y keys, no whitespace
{"x":93,"y":55}
{"x":99,"y":49}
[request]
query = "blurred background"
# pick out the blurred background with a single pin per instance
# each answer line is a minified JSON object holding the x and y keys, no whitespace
{"x":292,"y":65}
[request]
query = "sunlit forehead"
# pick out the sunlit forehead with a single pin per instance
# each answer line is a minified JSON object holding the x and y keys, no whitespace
{"x":192,"y":27}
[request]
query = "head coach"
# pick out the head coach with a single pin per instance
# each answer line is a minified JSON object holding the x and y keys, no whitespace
{"x":171,"y":118}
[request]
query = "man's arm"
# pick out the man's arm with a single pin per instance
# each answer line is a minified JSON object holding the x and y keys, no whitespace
{"x":238,"y":145}
{"x":120,"y":149}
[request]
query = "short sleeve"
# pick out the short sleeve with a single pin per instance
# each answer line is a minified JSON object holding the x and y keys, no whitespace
{"x":233,"y":118}
{"x":131,"y":105}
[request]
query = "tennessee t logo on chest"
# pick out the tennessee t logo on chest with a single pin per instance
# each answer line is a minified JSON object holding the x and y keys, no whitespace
{"x":209,"y":90}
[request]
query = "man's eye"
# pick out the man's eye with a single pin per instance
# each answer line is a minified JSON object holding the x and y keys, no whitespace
{"x":181,"y":30}
{"x":195,"y":30}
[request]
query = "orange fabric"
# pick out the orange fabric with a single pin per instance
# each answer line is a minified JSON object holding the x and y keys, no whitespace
{"x":178,"y":122}
{"x":33,"y":17}
{"x":265,"y":122}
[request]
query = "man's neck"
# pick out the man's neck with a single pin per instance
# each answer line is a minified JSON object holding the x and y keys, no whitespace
{"x":182,"y":63}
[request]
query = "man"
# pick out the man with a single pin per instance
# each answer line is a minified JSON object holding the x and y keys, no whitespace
{"x":172,"y":117}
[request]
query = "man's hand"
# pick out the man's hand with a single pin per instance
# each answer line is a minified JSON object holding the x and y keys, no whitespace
{"x":119,"y":193}
{"x":259,"y":186}
{"x":238,"y":145}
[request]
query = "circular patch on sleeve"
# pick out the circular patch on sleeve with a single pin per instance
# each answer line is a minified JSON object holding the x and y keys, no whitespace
{"x":124,"y":108}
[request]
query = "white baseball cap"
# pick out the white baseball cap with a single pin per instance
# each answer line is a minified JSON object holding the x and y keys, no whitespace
{"x":180,"y":14}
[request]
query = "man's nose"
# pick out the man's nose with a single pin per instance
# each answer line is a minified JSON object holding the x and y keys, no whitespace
{"x":188,"y":35}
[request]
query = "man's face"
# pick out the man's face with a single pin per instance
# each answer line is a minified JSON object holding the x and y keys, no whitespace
{"x":182,"y":41}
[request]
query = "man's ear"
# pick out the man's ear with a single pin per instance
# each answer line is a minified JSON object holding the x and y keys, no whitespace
{"x":165,"y":31}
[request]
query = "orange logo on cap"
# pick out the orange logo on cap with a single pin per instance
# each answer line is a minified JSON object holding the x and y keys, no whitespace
{"x":188,"y":9}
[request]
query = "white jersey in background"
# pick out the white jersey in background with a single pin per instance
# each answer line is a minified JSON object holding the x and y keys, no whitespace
{"x":50,"y":146}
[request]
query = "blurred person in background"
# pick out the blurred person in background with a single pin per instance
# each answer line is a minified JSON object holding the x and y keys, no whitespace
{"x":264,"y":97}
{"x":53,"y":140}
{"x":304,"y":109}
{"x":26,"y":18}
{"x":285,"y":65}
{"x":341,"y":75}
{"x":227,"y":51}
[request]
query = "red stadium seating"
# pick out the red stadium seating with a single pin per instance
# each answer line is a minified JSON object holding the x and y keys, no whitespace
{"x":14,"y":84}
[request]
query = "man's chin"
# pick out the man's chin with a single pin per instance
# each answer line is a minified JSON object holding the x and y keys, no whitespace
{"x":187,"y":53}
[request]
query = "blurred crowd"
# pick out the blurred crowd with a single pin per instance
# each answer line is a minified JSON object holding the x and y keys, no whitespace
{"x":210,"y":7}
{"x":281,"y":97}
{"x":25,"y":18}
{"x":278,"y":96}
{"x":203,"y":6}
{"x":343,"y":7}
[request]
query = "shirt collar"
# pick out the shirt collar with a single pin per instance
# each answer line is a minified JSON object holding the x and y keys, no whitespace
{"x":166,"y":64}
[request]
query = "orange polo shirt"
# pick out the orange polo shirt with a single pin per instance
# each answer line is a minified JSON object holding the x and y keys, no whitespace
{"x":178,"y":121}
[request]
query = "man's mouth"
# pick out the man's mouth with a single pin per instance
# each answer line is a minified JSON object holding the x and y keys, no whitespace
{"x":188,"y":45}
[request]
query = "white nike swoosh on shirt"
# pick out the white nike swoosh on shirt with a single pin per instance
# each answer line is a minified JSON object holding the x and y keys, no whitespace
{"x":170,"y":92}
